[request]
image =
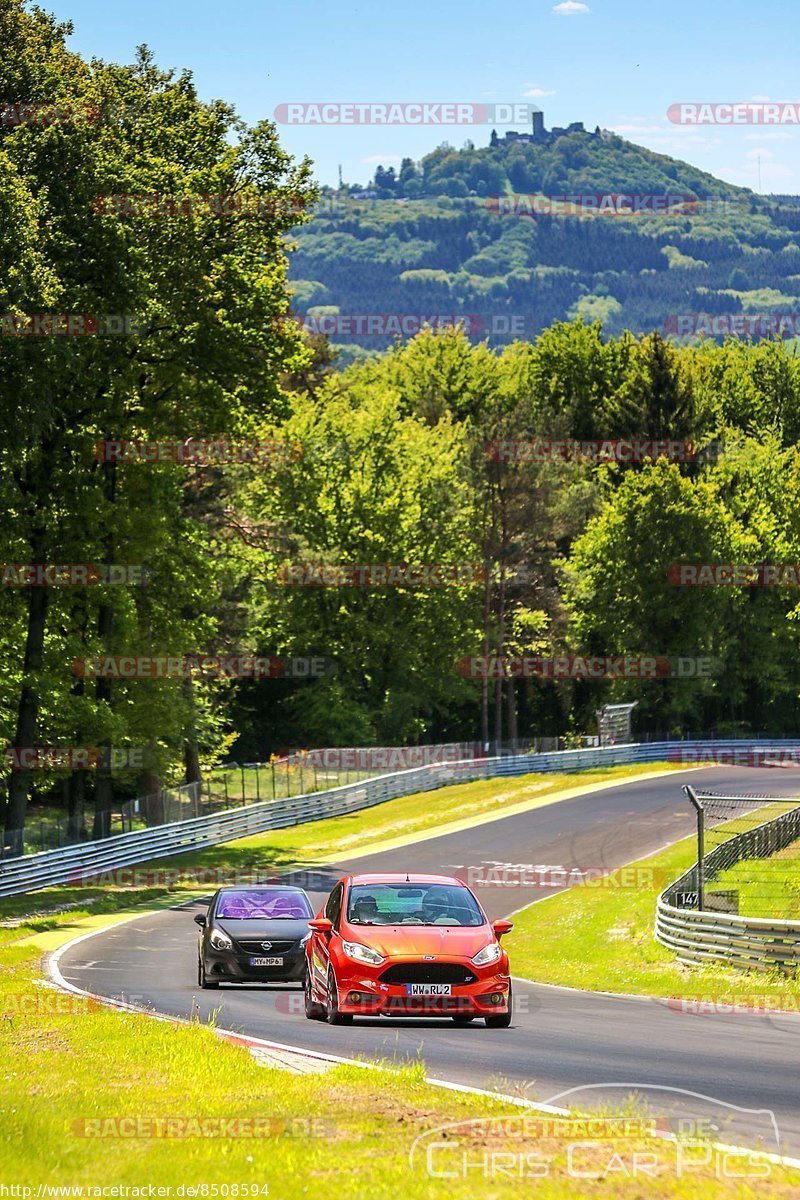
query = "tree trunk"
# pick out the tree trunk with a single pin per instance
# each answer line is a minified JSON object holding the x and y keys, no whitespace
{"x":76,"y":800}
{"x":191,"y":753}
{"x":27,"y":713}
{"x":511,"y":714}
{"x":104,"y":784}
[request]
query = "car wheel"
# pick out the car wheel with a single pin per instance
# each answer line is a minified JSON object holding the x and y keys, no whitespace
{"x":202,"y":979}
{"x":462,"y":1020}
{"x":502,"y":1020}
{"x":314,"y":1011}
{"x":332,"y":1014}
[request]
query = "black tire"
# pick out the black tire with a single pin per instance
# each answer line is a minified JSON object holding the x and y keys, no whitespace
{"x":502,"y":1020}
{"x":202,"y":979}
{"x":314,"y":1011}
{"x":332,"y":1014}
{"x":462,"y":1020}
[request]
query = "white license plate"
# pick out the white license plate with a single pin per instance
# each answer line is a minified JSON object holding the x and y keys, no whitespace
{"x":428,"y":989}
{"x":266,"y":962}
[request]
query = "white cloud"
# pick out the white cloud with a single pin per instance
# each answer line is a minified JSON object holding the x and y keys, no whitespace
{"x":769,"y":135}
{"x":760,"y":99}
{"x":758,"y":152}
{"x":570,"y":8}
{"x":382,"y":158}
{"x":536,"y":92}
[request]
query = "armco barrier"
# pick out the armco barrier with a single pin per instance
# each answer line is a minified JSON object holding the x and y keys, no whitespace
{"x":749,"y":943}
{"x":35,"y":871}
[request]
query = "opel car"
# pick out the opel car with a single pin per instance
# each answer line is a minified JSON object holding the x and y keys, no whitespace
{"x":254,"y":934}
{"x":406,"y":946}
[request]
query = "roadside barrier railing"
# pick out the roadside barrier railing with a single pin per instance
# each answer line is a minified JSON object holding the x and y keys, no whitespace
{"x":748,"y":943}
{"x":76,"y":862}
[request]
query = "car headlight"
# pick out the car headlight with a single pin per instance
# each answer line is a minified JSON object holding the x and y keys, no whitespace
{"x":488,"y":954}
{"x":362,"y":953}
{"x":220,"y":940}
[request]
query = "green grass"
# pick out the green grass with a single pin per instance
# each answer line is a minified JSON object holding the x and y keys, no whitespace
{"x":349,"y":1131}
{"x":767,"y":887}
{"x":74,"y":1075}
{"x":600,"y":938}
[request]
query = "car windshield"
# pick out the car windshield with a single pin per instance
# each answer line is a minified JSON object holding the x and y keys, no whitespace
{"x":412,"y":904}
{"x":268,"y":904}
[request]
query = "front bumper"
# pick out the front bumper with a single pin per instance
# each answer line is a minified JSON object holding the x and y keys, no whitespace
{"x":229,"y":965}
{"x":488,"y":996}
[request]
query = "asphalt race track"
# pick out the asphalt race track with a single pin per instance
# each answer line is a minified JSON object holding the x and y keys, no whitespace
{"x":605,"y":1046}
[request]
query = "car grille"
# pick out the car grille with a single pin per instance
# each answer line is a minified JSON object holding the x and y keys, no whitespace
{"x":253,"y":947}
{"x":428,"y":973}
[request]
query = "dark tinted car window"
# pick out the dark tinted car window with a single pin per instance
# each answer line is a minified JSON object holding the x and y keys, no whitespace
{"x":333,"y":908}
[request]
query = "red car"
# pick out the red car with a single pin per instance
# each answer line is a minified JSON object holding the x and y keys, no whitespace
{"x":406,"y":946}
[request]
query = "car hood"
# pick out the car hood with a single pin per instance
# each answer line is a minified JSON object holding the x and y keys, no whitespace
{"x":268,"y":930}
{"x":414,"y":941}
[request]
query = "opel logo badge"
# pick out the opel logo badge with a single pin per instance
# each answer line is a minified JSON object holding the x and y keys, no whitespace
{"x":266,"y":945}
{"x":429,"y":958}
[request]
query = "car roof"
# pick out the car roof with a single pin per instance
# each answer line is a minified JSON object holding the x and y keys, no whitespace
{"x":261,"y":887}
{"x":404,"y":877}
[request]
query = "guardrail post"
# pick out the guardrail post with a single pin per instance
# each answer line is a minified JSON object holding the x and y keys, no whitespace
{"x":701,"y":828}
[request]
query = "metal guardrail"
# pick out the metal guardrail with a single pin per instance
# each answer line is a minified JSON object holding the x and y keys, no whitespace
{"x":749,"y":943}
{"x":73,"y":863}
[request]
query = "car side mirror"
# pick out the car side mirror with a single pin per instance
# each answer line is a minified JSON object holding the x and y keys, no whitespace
{"x":200,"y":920}
{"x":321,"y":925}
{"x":501,"y":927}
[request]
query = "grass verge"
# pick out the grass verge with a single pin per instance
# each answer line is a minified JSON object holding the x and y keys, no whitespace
{"x":94,"y":1098}
{"x":767,"y":887}
{"x":599,"y":937}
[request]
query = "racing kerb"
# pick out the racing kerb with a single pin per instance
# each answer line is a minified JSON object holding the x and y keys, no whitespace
{"x":72,"y":863}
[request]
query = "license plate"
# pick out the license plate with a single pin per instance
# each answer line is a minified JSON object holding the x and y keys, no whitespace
{"x":266,"y":962}
{"x":428,"y":989}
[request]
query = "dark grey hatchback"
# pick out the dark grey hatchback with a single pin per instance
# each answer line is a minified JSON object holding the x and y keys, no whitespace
{"x":254,"y":934}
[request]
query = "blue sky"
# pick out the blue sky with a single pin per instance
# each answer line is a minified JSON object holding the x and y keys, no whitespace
{"x":614,"y":63}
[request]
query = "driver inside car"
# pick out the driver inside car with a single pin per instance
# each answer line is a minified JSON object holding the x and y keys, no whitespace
{"x":365,"y":911}
{"x":435,"y":909}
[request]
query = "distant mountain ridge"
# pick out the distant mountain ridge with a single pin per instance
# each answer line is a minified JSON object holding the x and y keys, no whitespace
{"x":446,"y":236}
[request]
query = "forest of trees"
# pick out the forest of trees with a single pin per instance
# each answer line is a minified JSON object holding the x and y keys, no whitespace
{"x":389,"y":460}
